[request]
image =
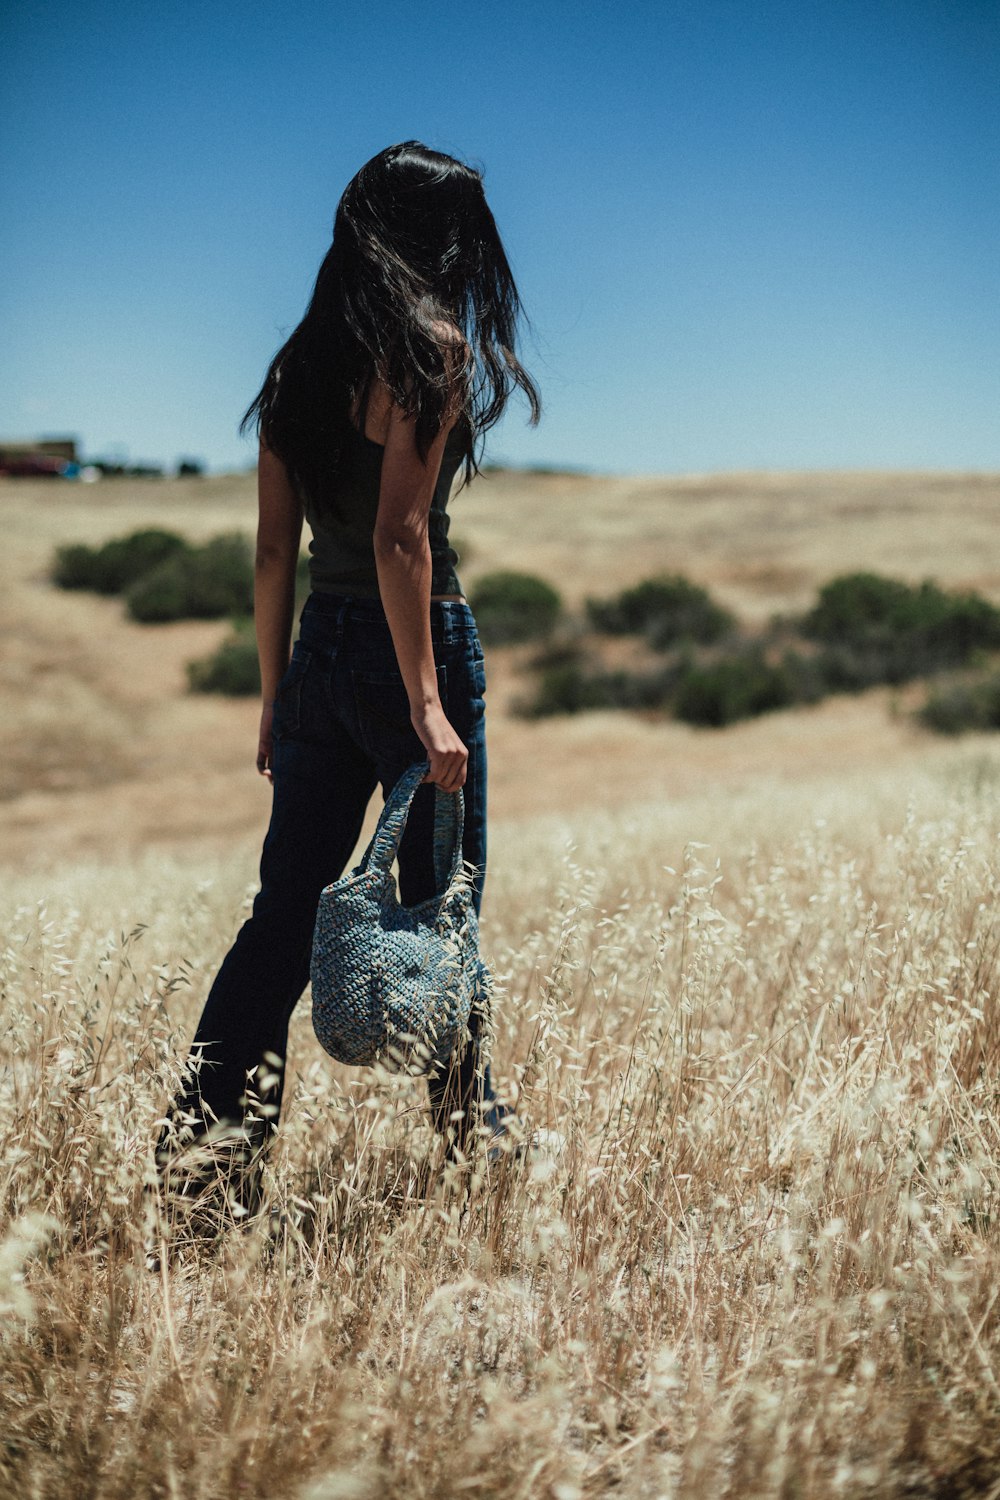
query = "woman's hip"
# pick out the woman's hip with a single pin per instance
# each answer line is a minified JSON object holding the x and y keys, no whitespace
{"x":345,"y":673}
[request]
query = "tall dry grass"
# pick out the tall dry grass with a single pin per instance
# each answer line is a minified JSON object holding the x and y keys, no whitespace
{"x":766,"y":1262}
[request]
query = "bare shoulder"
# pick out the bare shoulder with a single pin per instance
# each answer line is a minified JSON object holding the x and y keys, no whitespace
{"x":458,"y":359}
{"x":448,"y":333}
{"x":378,"y":411}
{"x":453,"y":341}
{"x":381,"y":410}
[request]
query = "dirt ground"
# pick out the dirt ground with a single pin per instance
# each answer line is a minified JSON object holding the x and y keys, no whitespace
{"x":104,"y":752}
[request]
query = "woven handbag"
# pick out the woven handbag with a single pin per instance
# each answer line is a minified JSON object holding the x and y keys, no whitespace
{"x":393,"y":984}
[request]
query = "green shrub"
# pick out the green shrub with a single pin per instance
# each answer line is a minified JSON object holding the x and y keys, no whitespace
{"x":855,"y":668}
{"x":864,"y":630}
{"x":668,"y":609}
{"x":511,"y":607}
{"x":882,"y":630}
{"x":568,"y":684}
{"x":854,"y":605}
{"x":805,"y":677}
{"x":733,"y":687}
{"x":120,"y":562}
{"x":569,"y":689}
{"x":205,"y":583}
{"x":563,"y":689}
{"x":234,"y":668}
{"x":957,"y":706}
{"x":75,"y":567}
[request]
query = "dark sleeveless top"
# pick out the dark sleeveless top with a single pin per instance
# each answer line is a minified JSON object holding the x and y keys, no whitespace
{"x":342,"y":550}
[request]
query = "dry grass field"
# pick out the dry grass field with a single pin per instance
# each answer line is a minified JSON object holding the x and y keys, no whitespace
{"x":750,"y":975}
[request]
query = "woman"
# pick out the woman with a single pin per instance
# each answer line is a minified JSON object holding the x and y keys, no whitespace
{"x":404,"y":358}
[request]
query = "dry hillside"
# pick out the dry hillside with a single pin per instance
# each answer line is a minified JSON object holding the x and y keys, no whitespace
{"x":104,"y":751}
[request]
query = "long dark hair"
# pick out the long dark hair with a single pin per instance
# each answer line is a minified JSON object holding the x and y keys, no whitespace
{"x":415,"y":252}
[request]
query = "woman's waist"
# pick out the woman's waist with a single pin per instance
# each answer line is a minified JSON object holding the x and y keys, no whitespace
{"x":329,"y":616}
{"x":355,"y":576}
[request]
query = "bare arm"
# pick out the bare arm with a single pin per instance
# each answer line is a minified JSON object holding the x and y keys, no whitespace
{"x":279,"y":532}
{"x":403,"y":562}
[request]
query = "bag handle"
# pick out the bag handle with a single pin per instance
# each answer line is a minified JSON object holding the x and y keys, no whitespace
{"x":448,"y":831}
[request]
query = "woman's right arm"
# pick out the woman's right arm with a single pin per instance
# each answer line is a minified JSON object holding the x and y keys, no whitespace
{"x":403,"y":563}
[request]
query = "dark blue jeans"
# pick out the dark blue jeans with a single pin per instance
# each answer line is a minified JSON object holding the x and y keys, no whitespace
{"x":341,"y":727}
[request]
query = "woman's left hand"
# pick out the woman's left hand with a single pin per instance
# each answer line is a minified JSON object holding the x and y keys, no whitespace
{"x":265,"y":743}
{"x":447,"y":754}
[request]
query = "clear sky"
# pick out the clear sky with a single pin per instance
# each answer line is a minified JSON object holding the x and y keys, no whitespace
{"x":748,"y":235}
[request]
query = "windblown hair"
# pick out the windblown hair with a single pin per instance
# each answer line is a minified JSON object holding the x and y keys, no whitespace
{"x":416,"y":290}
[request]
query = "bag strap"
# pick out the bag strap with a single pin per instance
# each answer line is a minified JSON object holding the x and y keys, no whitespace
{"x":448,"y":830}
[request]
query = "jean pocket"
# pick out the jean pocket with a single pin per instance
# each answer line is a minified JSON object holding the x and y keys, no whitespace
{"x":382,"y":705}
{"x":288,"y":699}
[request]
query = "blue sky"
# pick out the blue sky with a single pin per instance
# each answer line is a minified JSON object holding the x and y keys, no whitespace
{"x":748,"y":235}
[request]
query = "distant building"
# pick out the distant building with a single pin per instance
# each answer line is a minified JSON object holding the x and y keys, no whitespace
{"x":52,"y":447}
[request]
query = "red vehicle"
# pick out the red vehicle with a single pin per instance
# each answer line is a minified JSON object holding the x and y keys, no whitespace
{"x":35,"y":466}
